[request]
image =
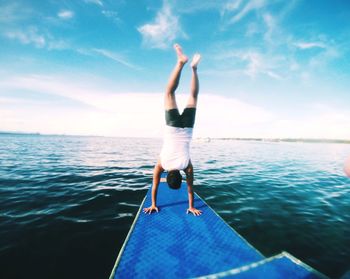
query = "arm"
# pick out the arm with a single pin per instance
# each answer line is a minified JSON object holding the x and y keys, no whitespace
{"x":189,"y":180}
{"x":156,"y":178}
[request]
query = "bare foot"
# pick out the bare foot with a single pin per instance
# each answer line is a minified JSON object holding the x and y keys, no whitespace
{"x":195,"y":60}
{"x":182,"y":58}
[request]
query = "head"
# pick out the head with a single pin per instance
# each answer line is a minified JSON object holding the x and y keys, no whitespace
{"x":174,"y":179}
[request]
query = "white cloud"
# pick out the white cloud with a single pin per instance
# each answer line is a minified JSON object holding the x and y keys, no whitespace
{"x":141,"y":114}
{"x":188,"y":7}
{"x":125,"y":114}
{"x":53,"y":44}
{"x":308,"y":45}
{"x":273,"y":75}
{"x":220,"y":116}
{"x":116,"y":57}
{"x":13,"y":12}
{"x":251,"y":5}
{"x":230,"y":6}
{"x":271,"y":25}
{"x":313,"y":126}
{"x":256,"y":63}
{"x":327,"y":51}
{"x":265,"y":22}
{"x":15,"y":17}
{"x":113,"y":15}
{"x":107,"y":113}
{"x":165,"y":29}
{"x":322,"y":59}
{"x":65,"y":14}
{"x":96,"y":2}
{"x":30,"y":36}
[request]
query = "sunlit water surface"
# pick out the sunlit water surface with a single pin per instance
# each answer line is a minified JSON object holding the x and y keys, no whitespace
{"x":67,"y":203}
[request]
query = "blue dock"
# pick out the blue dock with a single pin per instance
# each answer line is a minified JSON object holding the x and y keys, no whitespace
{"x":173,"y":244}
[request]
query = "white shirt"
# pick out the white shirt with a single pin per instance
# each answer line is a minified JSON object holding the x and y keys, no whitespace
{"x":175,"y":154}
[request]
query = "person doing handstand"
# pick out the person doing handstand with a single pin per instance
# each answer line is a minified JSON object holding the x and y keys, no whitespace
{"x":175,"y":153}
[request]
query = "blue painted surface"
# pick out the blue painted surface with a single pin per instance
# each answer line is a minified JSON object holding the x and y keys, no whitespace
{"x":174,"y":244}
{"x":280,"y":267}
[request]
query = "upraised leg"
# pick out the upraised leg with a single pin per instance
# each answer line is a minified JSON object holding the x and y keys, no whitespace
{"x":170,"y":101}
{"x":192,"y":100}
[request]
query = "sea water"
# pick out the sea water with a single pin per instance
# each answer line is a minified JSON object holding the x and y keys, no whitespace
{"x":67,"y":203}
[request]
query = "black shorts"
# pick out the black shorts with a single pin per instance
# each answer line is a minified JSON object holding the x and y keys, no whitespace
{"x":185,"y":120}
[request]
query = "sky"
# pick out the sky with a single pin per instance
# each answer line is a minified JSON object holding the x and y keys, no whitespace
{"x":269,"y":68}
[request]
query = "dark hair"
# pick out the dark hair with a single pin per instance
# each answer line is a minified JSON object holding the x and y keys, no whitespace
{"x":174,"y":179}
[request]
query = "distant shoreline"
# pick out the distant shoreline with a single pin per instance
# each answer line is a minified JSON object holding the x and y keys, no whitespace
{"x":304,"y":140}
{"x":204,"y":139}
{"x":20,"y":133}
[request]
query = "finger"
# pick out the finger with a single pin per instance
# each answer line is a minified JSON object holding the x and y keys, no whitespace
{"x":187,"y":211}
{"x":156,"y":209}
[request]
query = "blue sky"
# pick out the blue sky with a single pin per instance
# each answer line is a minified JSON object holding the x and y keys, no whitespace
{"x":96,"y":67}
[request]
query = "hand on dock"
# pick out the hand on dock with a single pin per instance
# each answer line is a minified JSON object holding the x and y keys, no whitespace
{"x":150,"y":209}
{"x":194,"y":211}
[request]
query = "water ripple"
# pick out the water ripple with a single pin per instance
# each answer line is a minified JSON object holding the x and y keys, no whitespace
{"x":71,"y":200}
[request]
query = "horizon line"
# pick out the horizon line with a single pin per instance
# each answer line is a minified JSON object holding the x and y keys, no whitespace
{"x":206,"y":138}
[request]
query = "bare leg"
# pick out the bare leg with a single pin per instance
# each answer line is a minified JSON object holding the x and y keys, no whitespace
{"x":192,"y":100}
{"x":170,"y":101}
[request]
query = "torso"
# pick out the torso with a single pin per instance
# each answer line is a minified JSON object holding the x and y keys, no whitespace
{"x":175,"y":152}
